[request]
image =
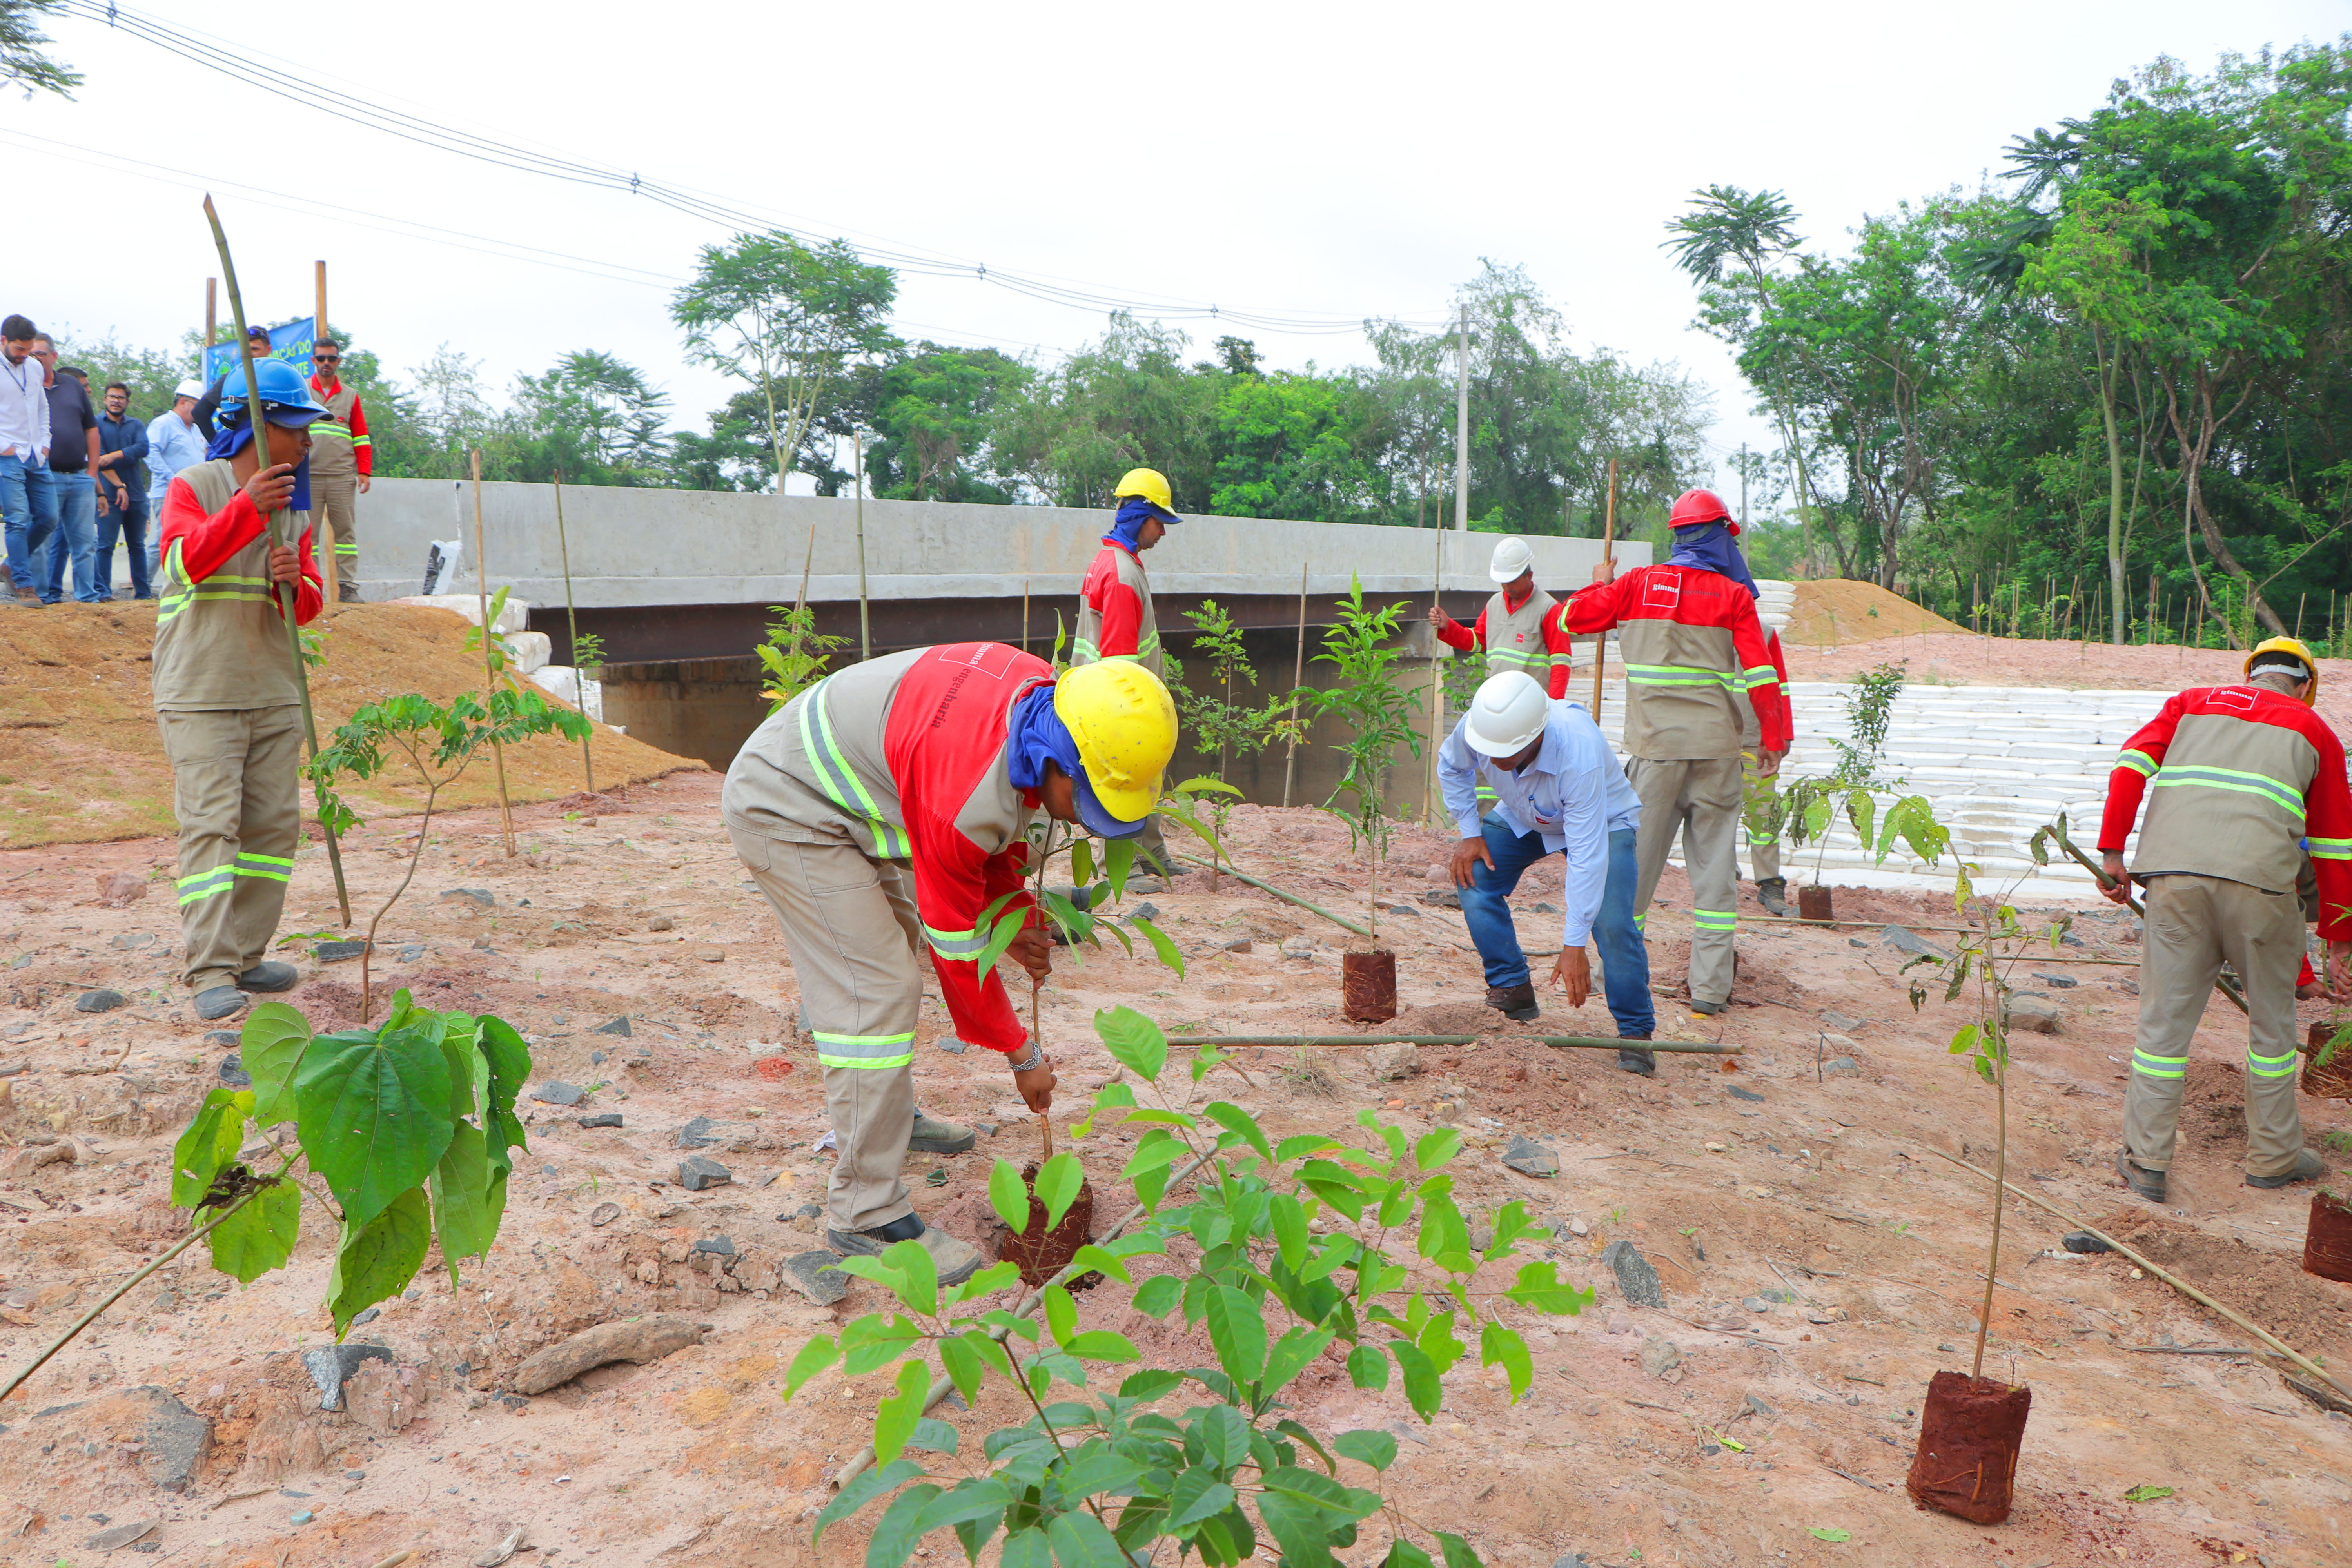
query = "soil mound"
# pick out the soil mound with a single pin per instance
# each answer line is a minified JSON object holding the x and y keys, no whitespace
{"x":1838,"y":610}
{"x":82,"y":761}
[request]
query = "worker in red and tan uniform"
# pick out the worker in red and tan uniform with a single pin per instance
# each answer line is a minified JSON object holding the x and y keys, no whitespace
{"x":1519,"y":628}
{"x":342,"y":454}
{"x":225,"y":683}
{"x":2241,"y":777}
{"x":1115,"y":618}
{"x":884,"y":807}
{"x":1695,"y":658}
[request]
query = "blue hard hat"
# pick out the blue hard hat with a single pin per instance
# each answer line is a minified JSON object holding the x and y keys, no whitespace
{"x":285,"y":393}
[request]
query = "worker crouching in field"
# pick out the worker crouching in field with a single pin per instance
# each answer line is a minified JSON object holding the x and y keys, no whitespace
{"x":2241,"y":776}
{"x":225,"y":682}
{"x":1559,"y":791}
{"x":925,"y":766}
{"x":1694,"y":657}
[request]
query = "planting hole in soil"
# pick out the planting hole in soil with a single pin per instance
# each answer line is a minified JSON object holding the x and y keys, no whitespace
{"x":1043,"y":1253}
{"x":2327,"y":1238}
{"x":1813,"y":904}
{"x":1368,"y":992}
{"x":1970,"y":1430}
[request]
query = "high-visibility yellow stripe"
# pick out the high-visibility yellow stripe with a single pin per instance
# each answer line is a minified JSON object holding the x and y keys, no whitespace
{"x":956,"y":944}
{"x":2330,"y":849}
{"x":888,"y":842}
{"x":1715,"y":919}
{"x":2269,"y":1067}
{"x":2140,"y":762}
{"x":2173,"y":776}
{"x":2159,"y":1067}
{"x":865,"y":1052}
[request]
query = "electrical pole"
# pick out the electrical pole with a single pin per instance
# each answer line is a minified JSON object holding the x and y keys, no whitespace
{"x":1462,"y":429}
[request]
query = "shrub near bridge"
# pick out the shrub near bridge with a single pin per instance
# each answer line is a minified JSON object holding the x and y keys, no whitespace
{"x":1208,"y":1457}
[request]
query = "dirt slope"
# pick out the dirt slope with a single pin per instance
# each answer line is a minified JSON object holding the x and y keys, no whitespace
{"x":1831,"y":611}
{"x":1819,"y":1260}
{"x":80,"y":759}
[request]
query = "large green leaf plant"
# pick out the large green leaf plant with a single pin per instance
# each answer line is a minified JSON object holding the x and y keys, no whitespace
{"x":1308,"y":1251}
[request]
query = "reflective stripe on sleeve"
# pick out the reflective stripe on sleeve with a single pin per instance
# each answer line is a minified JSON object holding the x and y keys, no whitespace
{"x":956,"y":944}
{"x":2140,"y":762}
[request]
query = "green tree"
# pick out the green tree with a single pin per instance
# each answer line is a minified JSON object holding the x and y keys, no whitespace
{"x":787,"y":317}
{"x":22,"y":61}
{"x":931,"y":410}
{"x":603,"y":405}
{"x":1124,"y":402}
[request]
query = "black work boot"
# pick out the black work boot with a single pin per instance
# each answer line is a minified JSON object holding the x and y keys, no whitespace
{"x":1635,"y":1059}
{"x":1516,"y":1002}
{"x":1772,"y":892}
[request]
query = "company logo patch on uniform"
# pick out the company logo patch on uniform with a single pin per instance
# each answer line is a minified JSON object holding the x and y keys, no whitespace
{"x":1662,"y":591}
{"x":2237,"y":697}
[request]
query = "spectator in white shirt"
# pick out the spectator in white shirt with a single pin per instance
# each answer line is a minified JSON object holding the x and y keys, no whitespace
{"x":173,"y":444}
{"x":28,"y":493}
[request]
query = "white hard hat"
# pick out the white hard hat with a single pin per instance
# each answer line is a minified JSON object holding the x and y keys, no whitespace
{"x":1512,"y":557}
{"x":1508,"y":711}
{"x":195,"y":389}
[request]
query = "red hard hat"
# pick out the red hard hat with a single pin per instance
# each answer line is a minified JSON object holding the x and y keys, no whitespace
{"x":1693,"y":507}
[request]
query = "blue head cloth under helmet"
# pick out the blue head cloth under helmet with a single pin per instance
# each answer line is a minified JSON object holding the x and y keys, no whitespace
{"x":1126,"y":530}
{"x":1035,"y":735}
{"x":285,"y":400}
{"x":1707,"y":546}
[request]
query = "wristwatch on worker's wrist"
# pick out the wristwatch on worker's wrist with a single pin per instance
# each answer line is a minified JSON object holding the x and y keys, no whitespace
{"x":1035,"y":1059}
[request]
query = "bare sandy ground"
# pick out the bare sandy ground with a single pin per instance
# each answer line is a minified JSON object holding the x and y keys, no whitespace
{"x":1820,"y":1260}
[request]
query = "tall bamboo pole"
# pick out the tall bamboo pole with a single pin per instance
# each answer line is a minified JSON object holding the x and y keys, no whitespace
{"x":212,"y":316}
{"x":322,"y":526}
{"x":489,"y":657}
{"x":1298,"y":678}
{"x":275,"y":522}
{"x":1024,"y":614}
{"x":864,"y":627}
{"x":1434,"y":811}
{"x":572,"y":619}
{"x":1609,"y":558}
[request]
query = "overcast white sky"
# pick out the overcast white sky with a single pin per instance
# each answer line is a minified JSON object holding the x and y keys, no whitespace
{"x":1333,"y":160}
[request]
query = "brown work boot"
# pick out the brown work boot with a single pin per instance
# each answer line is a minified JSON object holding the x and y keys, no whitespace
{"x":2308,"y":1166}
{"x":956,"y":1261}
{"x":1516,"y":1002}
{"x":1633,"y":1059}
{"x":2149,"y":1184}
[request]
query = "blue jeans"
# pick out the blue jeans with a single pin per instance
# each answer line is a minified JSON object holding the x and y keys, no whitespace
{"x":1624,"y":961}
{"x":77,"y":538}
{"x":29,"y":500}
{"x":128,"y":523}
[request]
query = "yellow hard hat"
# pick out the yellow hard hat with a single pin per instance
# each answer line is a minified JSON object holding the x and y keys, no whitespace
{"x":1125,"y":726}
{"x":2293,"y":648}
{"x":1149,"y":483}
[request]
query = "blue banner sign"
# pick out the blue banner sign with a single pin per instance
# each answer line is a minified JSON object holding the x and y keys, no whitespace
{"x":291,"y":342}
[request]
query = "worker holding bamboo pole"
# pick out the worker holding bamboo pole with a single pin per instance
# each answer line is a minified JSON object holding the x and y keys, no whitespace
{"x":225,"y":689}
{"x":1115,"y":615}
{"x":1558,"y":789}
{"x":2239,"y":779}
{"x":885,"y":808}
{"x":1694,"y":657}
{"x":1519,"y":628}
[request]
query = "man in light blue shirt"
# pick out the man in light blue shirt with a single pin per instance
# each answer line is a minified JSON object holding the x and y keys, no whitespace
{"x":1558,"y":789}
{"x":173,"y":444}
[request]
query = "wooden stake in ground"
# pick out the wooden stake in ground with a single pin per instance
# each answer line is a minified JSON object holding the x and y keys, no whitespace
{"x":276,"y":524}
{"x":1608,"y":557}
{"x":1024,"y":614}
{"x":1434,"y":811}
{"x":1045,"y":1117}
{"x":322,"y":527}
{"x":489,"y":657}
{"x":572,"y":619}
{"x":864,"y":627}
{"x":1297,"y":677}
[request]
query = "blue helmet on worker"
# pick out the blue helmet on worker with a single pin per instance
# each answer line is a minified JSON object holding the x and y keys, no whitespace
{"x":285,"y":395}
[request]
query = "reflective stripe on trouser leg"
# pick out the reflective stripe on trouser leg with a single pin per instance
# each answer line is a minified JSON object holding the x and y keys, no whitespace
{"x":1711,"y":794}
{"x":269,"y":832}
{"x":849,"y":922}
{"x":2261,"y":936}
{"x":1764,"y":849}
{"x":2184,"y":941}
{"x":233,"y":790}
{"x":337,"y":496}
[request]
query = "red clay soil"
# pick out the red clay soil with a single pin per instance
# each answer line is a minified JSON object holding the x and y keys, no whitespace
{"x":1820,"y":1262}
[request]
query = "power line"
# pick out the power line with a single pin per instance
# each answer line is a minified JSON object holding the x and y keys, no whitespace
{"x":422,"y":132}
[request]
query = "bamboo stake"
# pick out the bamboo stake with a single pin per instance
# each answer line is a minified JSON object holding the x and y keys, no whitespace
{"x":489,"y":665}
{"x":1608,"y":558}
{"x":2186,"y":1288}
{"x":1277,"y":892}
{"x":277,"y":525}
{"x":1297,"y":677}
{"x":1434,"y":811}
{"x":572,"y":618}
{"x":1024,"y":611}
{"x":1045,"y":1117}
{"x":865,"y":628}
{"x":323,"y":526}
{"x":2300,"y":600}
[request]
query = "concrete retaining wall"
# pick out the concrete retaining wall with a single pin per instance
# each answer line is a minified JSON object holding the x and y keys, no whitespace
{"x":633,"y":549}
